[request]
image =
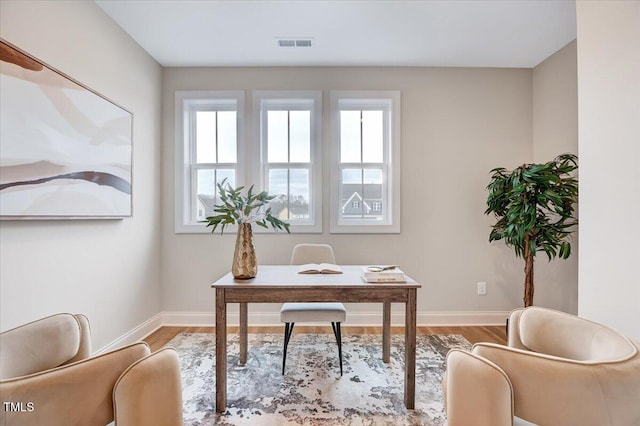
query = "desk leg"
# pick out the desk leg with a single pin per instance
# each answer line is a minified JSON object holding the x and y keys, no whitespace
{"x":221,"y":351}
{"x":410,"y":351}
{"x":386,"y":332}
{"x":243,"y":333}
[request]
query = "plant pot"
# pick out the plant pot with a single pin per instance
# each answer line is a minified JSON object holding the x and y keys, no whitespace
{"x":245,"y":265}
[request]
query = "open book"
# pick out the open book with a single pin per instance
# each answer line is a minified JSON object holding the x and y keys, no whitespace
{"x":322,"y":268}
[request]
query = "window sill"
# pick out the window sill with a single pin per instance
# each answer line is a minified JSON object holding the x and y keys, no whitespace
{"x":201,"y":228}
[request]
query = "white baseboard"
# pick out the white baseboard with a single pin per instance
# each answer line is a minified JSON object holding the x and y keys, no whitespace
{"x":207,"y":319}
{"x":463,"y":318}
{"x":135,"y":335}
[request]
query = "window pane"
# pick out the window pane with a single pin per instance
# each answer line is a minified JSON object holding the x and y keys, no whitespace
{"x":206,"y":182}
{"x":205,"y":136}
{"x":372,"y":136}
{"x":299,"y":199}
{"x":351,"y":204}
{"x":206,"y":193}
{"x":227,"y":137}
{"x":278,"y":187}
{"x":291,"y":188}
{"x":229,"y":174}
{"x":352,"y":176}
{"x":373,"y":194}
{"x":350,"y":136}
{"x":300,"y":136}
{"x":278,"y":182}
{"x":277,"y":137}
{"x":372,"y":176}
{"x":362,"y":190}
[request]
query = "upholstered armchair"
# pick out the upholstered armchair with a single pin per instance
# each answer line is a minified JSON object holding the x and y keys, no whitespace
{"x":48,"y":376}
{"x":556,"y":369}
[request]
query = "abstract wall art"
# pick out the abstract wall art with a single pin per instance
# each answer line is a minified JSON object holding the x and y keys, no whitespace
{"x":65,"y":150}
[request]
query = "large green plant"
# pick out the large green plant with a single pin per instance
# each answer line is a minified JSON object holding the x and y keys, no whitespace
{"x":534,"y":207}
{"x":237,"y":208}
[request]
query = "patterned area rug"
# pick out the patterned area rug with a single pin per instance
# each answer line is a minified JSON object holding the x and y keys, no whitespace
{"x":312,"y":392}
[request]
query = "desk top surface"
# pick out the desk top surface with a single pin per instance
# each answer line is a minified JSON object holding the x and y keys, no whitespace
{"x":287,"y":276}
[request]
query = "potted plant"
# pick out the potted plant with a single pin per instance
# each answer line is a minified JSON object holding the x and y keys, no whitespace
{"x":534,"y":207}
{"x":244,"y":210}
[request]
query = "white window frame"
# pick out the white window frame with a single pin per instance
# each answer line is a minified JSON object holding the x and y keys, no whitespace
{"x":291,"y":100}
{"x":185,"y":166}
{"x":389,"y":101}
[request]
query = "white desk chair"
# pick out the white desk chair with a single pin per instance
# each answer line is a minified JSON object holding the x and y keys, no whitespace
{"x":290,"y":313}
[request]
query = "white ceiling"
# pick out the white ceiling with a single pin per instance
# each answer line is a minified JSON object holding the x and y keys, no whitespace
{"x":476,"y":33}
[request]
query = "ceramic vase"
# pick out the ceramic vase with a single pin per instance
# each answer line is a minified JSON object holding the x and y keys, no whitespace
{"x":245,"y":265}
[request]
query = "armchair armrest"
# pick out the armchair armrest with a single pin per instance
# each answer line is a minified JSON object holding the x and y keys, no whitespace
{"x":477,"y":392}
{"x":565,"y":388}
{"x":73,"y":394}
{"x":149,"y":392}
{"x":514,"y":329}
{"x":84,"y":348}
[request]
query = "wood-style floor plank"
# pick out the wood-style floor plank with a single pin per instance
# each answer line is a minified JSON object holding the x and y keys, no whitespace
{"x":474,"y":334}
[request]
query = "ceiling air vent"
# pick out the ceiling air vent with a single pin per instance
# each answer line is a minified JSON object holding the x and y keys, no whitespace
{"x":292,"y":42}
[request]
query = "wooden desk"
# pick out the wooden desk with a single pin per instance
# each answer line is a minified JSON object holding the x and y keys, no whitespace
{"x":279,"y":284}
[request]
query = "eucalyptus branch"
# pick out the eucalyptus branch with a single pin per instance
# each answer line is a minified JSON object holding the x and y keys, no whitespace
{"x":236,"y":208}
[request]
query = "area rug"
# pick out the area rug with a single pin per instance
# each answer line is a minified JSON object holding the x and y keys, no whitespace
{"x":312,"y":392}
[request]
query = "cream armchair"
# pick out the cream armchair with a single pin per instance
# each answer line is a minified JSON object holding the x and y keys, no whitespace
{"x":557,"y":369}
{"x":47,"y":376}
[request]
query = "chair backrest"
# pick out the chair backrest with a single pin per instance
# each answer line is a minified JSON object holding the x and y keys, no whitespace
{"x":149,"y":392}
{"x":40,"y":345}
{"x":568,"y":336}
{"x":312,"y":253}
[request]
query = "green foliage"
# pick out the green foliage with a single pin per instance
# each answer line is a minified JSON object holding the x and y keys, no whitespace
{"x":534,"y":205}
{"x":237,"y":208}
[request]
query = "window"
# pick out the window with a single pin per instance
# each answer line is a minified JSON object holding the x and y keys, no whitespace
{"x":365,"y":178}
{"x":208,"y":149}
{"x":290,"y":161}
{"x":284,"y":156}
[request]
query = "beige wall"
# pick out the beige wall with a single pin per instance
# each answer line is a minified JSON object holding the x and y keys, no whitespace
{"x":457,"y":124}
{"x":609,"y":135}
{"x":555,"y":105}
{"x":107,"y":269}
{"x":555,"y":131}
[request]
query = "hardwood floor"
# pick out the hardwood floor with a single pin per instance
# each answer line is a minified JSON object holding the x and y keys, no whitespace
{"x":474,"y":334}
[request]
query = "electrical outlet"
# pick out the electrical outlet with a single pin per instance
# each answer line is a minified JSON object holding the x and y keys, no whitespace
{"x":482,"y":288}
